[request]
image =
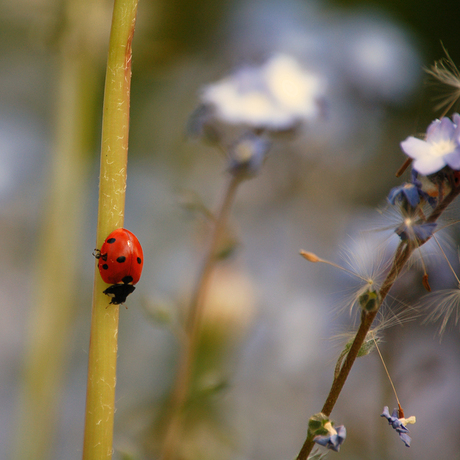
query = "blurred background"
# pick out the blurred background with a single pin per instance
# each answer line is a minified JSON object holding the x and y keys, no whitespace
{"x":275,"y":312}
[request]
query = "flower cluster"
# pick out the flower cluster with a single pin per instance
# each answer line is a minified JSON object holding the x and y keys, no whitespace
{"x":436,"y":171}
{"x":436,"y":164}
{"x":399,"y":424}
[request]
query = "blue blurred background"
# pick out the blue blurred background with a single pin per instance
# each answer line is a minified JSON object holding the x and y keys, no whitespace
{"x":318,"y":188}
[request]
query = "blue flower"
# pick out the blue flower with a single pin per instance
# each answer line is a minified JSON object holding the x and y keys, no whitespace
{"x":406,"y":193}
{"x":334,"y":439}
{"x":399,"y":424}
{"x":440,"y":148}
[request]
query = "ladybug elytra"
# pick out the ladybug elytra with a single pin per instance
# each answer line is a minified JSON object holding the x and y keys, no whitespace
{"x":120,"y":262}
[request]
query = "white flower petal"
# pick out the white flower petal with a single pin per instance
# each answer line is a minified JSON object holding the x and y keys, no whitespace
{"x":442,"y":131}
{"x":416,"y":148}
{"x":428,"y":164}
{"x":277,"y":95}
{"x":293,"y":88}
{"x":434,"y":125}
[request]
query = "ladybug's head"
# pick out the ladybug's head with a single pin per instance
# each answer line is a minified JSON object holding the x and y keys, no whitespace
{"x":119,"y":292}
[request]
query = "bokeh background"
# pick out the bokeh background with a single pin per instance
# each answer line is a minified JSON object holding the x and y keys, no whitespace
{"x":318,"y":188}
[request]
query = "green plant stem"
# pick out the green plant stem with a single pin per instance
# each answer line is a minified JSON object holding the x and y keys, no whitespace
{"x":192,"y":327}
{"x":402,"y":255}
{"x":100,"y":396}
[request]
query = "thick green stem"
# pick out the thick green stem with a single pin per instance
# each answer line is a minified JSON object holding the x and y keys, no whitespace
{"x":100,"y":397}
{"x":402,"y":255}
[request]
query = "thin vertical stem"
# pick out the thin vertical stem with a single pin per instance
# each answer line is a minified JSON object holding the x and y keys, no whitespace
{"x":100,"y":396}
{"x":187,"y":358}
{"x":196,"y":304}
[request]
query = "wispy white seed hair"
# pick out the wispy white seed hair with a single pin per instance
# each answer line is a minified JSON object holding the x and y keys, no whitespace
{"x":366,"y":256}
{"x":443,"y":306}
{"x":446,"y":72}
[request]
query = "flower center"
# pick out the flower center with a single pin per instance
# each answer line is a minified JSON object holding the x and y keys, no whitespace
{"x":443,"y":147}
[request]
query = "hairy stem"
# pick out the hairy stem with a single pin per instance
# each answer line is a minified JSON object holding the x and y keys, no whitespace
{"x":100,"y":396}
{"x":402,"y":254}
{"x":192,"y":326}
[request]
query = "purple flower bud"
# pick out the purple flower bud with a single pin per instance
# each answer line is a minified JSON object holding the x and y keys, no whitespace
{"x":398,"y":424}
{"x":334,"y":439}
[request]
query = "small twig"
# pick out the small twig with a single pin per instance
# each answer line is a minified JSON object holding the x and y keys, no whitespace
{"x":192,"y":326}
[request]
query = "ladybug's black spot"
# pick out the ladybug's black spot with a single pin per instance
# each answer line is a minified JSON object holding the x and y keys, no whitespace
{"x":121,"y":259}
{"x":111,"y":240}
{"x":139,"y":260}
{"x":127,"y":279}
{"x":105,"y":266}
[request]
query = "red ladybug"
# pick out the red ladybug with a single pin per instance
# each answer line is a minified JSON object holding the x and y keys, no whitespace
{"x":120,"y":262}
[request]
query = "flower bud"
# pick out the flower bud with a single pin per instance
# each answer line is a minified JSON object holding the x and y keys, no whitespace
{"x":370,"y":300}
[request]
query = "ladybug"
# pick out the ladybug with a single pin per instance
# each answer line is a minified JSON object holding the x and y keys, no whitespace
{"x":120,"y":262}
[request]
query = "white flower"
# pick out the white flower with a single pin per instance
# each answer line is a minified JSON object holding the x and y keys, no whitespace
{"x":440,"y":148}
{"x":277,"y":95}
